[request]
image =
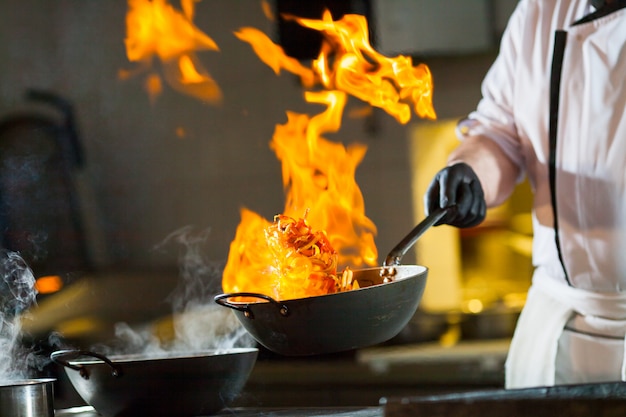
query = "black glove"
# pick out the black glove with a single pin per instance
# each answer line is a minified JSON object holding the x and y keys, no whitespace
{"x":457,"y":186}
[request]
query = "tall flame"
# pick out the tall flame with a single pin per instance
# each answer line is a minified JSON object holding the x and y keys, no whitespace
{"x":294,"y":258}
{"x":319,"y":175}
{"x":154,"y":29}
{"x":319,"y":179}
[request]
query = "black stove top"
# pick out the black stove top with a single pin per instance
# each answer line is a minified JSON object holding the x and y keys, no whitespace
{"x":258,"y":412}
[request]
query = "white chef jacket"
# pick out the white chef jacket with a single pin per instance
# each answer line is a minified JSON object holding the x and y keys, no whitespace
{"x":590,"y":162}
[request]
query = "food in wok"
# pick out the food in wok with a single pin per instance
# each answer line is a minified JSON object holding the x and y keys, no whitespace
{"x":286,"y":259}
{"x":305,"y":261}
{"x":384,"y":302}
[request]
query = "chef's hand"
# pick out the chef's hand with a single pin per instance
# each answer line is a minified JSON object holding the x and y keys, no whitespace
{"x":457,"y":185}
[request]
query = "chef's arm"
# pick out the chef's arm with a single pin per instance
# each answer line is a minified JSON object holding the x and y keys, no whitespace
{"x":496,"y":172}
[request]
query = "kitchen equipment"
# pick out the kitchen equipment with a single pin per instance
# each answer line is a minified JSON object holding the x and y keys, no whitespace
{"x":159,"y":384}
{"x":386,"y":300}
{"x":496,"y":322}
{"x":27,"y":398}
{"x":40,"y":213}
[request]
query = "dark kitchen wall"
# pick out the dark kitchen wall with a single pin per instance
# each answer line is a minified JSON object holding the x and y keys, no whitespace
{"x":142,"y":181}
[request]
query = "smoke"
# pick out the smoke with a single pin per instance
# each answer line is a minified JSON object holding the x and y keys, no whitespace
{"x":197,"y":322}
{"x":200,"y":277}
{"x":17,"y":295}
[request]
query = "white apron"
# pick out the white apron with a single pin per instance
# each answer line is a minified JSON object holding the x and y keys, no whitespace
{"x":549,"y":307}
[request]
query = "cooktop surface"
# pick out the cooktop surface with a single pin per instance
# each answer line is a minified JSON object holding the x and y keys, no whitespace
{"x":260,"y":412}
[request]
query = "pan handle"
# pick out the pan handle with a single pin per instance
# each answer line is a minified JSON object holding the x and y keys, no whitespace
{"x":222,"y":300}
{"x":396,"y":254}
{"x":59,"y":357}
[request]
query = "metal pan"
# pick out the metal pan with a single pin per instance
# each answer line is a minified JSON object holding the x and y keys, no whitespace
{"x":164,"y":384}
{"x":379,"y":310}
{"x":27,"y":398}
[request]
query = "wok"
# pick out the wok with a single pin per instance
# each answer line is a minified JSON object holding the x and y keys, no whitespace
{"x":385,"y":302}
{"x":163,"y":384}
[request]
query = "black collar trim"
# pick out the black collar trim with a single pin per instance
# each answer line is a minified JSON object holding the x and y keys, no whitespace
{"x":605,"y":10}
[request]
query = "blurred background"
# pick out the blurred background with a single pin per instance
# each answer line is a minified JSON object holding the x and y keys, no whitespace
{"x":118,"y":182}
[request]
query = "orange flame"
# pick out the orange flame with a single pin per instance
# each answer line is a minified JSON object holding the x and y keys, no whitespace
{"x":273,"y":55}
{"x":155,"y":29}
{"x":347,"y":62}
{"x":319,"y":175}
{"x":364,"y":73}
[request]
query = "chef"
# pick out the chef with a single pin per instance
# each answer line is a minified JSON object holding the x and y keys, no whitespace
{"x":554,"y":110}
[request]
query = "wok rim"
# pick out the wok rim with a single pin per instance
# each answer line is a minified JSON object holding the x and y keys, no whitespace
{"x":138,"y":358}
{"x":423,"y":270}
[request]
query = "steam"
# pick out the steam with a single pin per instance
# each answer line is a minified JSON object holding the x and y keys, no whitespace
{"x":197,"y":322}
{"x":17,"y":295}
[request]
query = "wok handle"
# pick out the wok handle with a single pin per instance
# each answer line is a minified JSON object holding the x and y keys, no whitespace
{"x":59,"y":357}
{"x":222,"y":300}
{"x":396,"y":254}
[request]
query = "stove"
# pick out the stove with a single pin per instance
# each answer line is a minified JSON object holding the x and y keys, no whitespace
{"x":581,"y":400}
{"x":258,"y":412}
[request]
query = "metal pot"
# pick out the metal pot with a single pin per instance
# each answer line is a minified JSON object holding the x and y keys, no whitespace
{"x":387,"y":299}
{"x":164,"y":384}
{"x":27,"y":398}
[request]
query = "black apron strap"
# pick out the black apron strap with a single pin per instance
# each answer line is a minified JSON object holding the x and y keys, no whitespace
{"x":560,"y":39}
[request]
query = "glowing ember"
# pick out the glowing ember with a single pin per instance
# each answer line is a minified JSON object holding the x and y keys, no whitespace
{"x":319,"y":175}
{"x":48,"y":284}
{"x":155,"y":29}
{"x":154,"y":86}
{"x":267,"y":10}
